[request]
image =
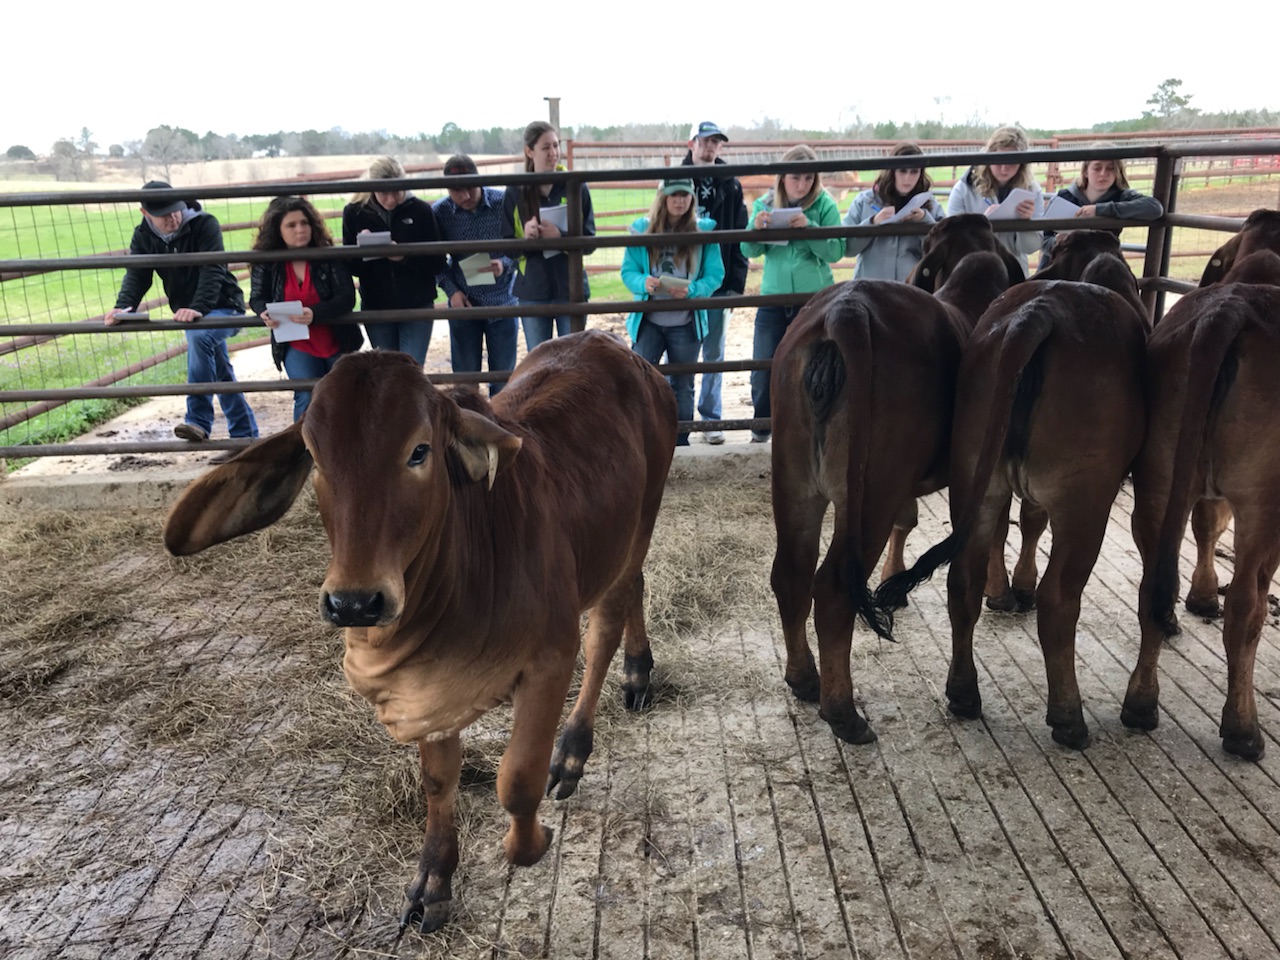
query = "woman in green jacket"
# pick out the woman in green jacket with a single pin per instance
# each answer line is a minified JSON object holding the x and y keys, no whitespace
{"x":794,"y":266}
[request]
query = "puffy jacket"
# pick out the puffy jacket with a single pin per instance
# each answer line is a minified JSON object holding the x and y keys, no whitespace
{"x":883,"y":258}
{"x":332,"y":281}
{"x":636,"y":269}
{"x":720,"y":199}
{"x":388,"y":284}
{"x":801,"y":266}
{"x":965,"y":198}
{"x":545,"y":279}
{"x":211,"y":287}
{"x":1121,"y":202}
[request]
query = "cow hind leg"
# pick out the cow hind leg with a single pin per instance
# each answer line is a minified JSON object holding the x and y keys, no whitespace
{"x":998,"y":592}
{"x":428,"y":897}
{"x":637,"y":659}
{"x":799,"y":526}
{"x":1209,"y":519}
{"x":895,"y":560}
{"x":1032,"y":522}
{"x":965,"y":587}
{"x":536,"y":704}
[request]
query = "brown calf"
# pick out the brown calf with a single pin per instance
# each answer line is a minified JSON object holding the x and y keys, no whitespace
{"x":862,"y":385}
{"x":1049,"y":405}
{"x":1212,"y":368}
{"x":466,"y":540}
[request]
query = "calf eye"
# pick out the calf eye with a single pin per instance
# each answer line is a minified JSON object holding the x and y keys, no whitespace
{"x":419,"y":455}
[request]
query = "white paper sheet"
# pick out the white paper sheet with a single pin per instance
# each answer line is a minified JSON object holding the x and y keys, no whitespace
{"x":1060,"y":208}
{"x":376,"y":238}
{"x":1008,"y":209}
{"x":289,"y":330}
{"x":477,"y":270}
{"x":668,"y":284}
{"x":780,"y":219}
{"x":560,"y":217}
{"x":915,"y":203}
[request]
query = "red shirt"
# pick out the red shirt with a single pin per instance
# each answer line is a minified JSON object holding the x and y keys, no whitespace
{"x":323,"y":343}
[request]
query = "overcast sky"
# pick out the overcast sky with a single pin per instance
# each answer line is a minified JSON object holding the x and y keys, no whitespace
{"x":241,"y":67}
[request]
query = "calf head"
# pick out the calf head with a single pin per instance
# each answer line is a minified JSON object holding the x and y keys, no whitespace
{"x":1261,"y":231}
{"x":389,"y":451}
{"x":950,"y":241}
{"x":1075,"y":250}
{"x":975,"y":282}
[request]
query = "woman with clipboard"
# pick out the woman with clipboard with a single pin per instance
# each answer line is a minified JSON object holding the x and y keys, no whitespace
{"x":987,"y":187}
{"x":898,"y":196}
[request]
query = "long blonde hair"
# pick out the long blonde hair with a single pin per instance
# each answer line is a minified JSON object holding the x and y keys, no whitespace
{"x":801,"y":151}
{"x":1006,"y":138}
{"x":661,"y":222}
{"x":383,"y":168}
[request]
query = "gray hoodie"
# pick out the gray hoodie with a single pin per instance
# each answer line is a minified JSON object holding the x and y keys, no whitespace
{"x":883,"y":258}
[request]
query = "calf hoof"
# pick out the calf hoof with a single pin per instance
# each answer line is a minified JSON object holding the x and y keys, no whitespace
{"x":526,"y":851}
{"x":425,"y":917}
{"x":1139,"y":717}
{"x":1204,"y":607}
{"x":569,"y":761}
{"x":635,"y":681}
{"x":851,"y":728}
{"x":965,"y":709}
{"x":1003,"y":603}
{"x":1075,"y":736}
{"x":1024,"y":599}
{"x":807,"y":688}
{"x":1247,"y":746}
{"x":1168,"y":625}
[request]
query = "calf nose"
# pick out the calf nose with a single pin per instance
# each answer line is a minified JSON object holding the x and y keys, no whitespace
{"x":352,"y":608}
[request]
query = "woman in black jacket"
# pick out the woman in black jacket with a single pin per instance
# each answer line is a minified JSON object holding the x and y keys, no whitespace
{"x":323,"y":287}
{"x":395,"y":283}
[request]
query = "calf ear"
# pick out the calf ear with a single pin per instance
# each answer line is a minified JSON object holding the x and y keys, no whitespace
{"x":482,"y":447}
{"x":1220,"y":263}
{"x":1011,"y":264}
{"x":251,"y":491}
{"x":925,"y":274}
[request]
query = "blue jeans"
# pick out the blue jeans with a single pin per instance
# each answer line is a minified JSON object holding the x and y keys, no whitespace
{"x":681,"y":346}
{"x":538,"y":329}
{"x":304,"y":366}
{"x":411,"y":337}
{"x":209,"y":362}
{"x":467,"y":337}
{"x":771,"y":324}
{"x":712,"y":352}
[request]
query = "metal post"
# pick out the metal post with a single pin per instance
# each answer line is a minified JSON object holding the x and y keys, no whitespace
{"x":553,"y":111}
{"x":577,"y":270}
{"x":1156,"y":263}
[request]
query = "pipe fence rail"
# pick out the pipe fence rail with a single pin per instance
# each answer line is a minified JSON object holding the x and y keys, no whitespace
{"x":57,"y":241}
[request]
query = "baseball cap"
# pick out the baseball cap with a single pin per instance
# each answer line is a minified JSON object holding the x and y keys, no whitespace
{"x":161,"y":206}
{"x":706,"y":129}
{"x":681,"y":185}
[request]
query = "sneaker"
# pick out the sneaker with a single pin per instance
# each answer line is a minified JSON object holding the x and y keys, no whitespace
{"x":760,"y":436}
{"x":714,"y":437}
{"x":191,"y":432}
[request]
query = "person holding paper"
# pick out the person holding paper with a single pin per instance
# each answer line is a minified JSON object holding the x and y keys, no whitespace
{"x":669,"y":270}
{"x":181,"y":226}
{"x":986,"y":187}
{"x":1102,"y":190}
{"x":478,"y":280}
{"x":394,"y":283}
{"x":533,"y":212}
{"x":898,"y":196}
{"x":795,"y":266}
{"x":321,"y":289}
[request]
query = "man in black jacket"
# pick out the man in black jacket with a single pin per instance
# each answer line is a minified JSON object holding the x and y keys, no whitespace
{"x":721,"y":200}
{"x":172,"y":226}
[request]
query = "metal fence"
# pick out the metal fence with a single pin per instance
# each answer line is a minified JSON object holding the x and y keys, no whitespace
{"x":57,"y":355}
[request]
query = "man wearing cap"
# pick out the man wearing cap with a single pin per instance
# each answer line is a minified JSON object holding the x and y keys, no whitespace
{"x":170,"y":225}
{"x":719,"y":199}
{"x":475,"y":213}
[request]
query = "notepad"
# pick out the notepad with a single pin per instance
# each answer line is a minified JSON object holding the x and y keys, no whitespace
{"x":780,"y":219}
{"x":288,"y":329}
{"x":376,"y":238}
{"x":1060,"y":208}
{"x":1008,"y":209}
{"x":559,"y":216}
{"x":477,"y":270}
{"x":915,"y":203}
{"x":135,"y":316}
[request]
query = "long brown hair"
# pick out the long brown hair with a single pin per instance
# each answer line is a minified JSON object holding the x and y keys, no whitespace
{"x":661,"y":222}
{"x":801,"y":151}
{"x":1122,"y":180}
{"x":885,"y":187}
{"x":531,"y":195}
{"x":269,"y":237}
{"x":1006,"y":138}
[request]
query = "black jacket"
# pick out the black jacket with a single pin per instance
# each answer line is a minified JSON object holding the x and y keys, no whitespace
{"x":1122,"y":202}
{"x":337,"y":293}
{"x":211,"y":287}
{"x":544,"y":279}
{"x":721,"y":200}
{"x":386,"y":284}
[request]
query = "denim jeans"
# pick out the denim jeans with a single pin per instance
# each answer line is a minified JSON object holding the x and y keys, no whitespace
{"x":712,"y":352}
{"x":538,"y":329}
{"x":467,"y":337}
{"x":681,"y":346}
{"x":304,"y":366}
{"x":209,"y":362}
{"x":771,"y":324}
{"x":411,"y":337}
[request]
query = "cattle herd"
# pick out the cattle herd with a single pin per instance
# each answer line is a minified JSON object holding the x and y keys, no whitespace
{"x":468,"y":537}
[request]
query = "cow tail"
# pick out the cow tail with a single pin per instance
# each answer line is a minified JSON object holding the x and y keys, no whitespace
{"x":848,"y":329}
{"x":1209,"y":377}
{"x":1018,"y":377}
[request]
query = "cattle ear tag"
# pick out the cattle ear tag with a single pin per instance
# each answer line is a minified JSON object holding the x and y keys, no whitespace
{"x":1215,"y":262}
{"x":492,"y":450}
{"x":924,"y":272}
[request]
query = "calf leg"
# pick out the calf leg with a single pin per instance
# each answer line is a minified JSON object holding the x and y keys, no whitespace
{"x":536,"y":704}
{"x":799,"y":527}
{"x":1032,"y":522}
{"x":1209,"y":519}
{"x":429,"y":896}
{"x":965,"y":582}
{"x":903,"y":524}
{"x":833,"y":620}
{"x":998,"y":592}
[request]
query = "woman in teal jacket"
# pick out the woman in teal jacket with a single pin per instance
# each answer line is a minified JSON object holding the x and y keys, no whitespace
{"x":796,"y":266}
{"x":667,"y":270}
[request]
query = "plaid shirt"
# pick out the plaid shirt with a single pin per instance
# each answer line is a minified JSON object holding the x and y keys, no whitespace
{"x":482,"y":223}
